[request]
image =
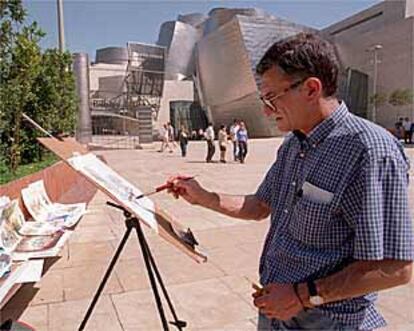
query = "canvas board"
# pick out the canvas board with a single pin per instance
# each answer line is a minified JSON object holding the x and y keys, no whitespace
{"x":146,"y":211}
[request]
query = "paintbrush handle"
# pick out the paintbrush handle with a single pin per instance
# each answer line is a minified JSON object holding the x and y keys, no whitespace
{"x":161,"y":188}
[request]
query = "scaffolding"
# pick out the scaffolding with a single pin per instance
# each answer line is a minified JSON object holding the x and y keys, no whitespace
{"x":128,"y":100}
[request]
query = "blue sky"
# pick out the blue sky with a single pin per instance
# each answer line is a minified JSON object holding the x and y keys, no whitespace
{"x":92,"y":24}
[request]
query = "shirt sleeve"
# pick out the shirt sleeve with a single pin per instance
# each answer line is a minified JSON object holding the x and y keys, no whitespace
{"x":270,"y":186}
{"x":265,"y":190}
{"x":376,"y":205}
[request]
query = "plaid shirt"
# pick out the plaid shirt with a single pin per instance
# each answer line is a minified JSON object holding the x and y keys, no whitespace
{"x":337,"y":195}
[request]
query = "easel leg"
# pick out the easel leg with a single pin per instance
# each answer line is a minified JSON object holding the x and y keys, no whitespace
{"x":106,"y":277}
{"x":178,"y":323}
{"x":148,"y":265}
{"x":131,"y":222}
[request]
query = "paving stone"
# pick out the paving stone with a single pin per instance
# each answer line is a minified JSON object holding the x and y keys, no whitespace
{"x":67,"y":316}
{"x":82,"y":282}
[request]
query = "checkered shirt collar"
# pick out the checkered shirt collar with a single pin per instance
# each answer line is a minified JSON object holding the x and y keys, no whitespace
{"x":323,"y":129}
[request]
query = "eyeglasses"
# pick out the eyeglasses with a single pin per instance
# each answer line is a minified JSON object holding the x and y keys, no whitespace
{"x":269,"y":103}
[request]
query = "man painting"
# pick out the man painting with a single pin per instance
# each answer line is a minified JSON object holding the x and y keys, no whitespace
{"x":337,"y":195}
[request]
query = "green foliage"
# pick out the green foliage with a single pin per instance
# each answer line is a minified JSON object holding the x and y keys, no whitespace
{"x":37,"y":83}
{"x":23,"y":170}
{"x":379,"y":99}
{"x":401,"y":97}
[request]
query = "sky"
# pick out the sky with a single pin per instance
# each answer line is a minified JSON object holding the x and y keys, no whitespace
{"x":94,"y":24}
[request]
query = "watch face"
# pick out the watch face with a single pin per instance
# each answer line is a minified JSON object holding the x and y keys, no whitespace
{"x":316,"y":300}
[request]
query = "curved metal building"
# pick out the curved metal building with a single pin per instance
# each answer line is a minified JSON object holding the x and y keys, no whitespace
{"x":220,"y":52}
{"x":226,"y":58}
{"x":112,"y":55}
{"x":194,"y":19}
{"x":180,"y":39}
{"x":220,"y":16}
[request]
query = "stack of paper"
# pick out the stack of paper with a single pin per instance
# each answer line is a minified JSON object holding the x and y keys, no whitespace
{"x":14,"y":216}
{"x":47,"y":241}
{"x":42,"y":209}
{"x":21,"y":272}
{"x":4,"y":201}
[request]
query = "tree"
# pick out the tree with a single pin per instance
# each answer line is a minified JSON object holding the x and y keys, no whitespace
{"x":401,"y":97}
{"x":20,"y":58}
{"x":378,"y":99}
{"x":54,"y":104}
{"x":39,"y":84}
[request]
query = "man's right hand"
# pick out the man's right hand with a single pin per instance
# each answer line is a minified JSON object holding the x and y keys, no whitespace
{"x":188,"y":188}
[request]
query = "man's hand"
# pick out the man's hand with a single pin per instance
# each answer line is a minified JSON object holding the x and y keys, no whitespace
{"x":188,"y":188}
{"x":278,"y":301}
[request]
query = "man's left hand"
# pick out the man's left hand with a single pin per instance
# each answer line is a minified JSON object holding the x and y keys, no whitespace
{"x":278,"y":301}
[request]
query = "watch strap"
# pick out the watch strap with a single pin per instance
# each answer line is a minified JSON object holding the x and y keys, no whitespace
{"x":312,"y":288}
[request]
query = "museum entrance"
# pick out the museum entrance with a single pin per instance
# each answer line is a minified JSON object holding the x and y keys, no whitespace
{"x":188,"y":114}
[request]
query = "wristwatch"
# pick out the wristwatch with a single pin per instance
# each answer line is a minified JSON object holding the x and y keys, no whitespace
{"x":314,"y":298}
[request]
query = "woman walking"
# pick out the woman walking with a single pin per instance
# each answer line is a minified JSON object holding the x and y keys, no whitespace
{"x":222,"y":138}
{"x":164,"y":139}
{"x":242,"y":138}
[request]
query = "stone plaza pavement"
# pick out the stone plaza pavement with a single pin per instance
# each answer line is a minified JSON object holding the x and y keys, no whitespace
{"x":210,"y":296}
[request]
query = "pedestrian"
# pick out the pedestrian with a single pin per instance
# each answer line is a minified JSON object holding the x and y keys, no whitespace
{"x":171,"y":134}
{"x":337,"y":194}
{"x":200,"y":134}
{"x":183,"y":139}
{"x":242,"y":138}
{"x":233,"y":136}
{"x":165,"y":141}
{"x":222,"y":139}
{"x":407,"y":130}
{"x":211,"y":149}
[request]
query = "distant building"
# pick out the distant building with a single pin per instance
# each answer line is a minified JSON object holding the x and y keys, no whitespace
{"x":388,"y":25}
{"x":210,"y":61}
{"x":219,"y":53}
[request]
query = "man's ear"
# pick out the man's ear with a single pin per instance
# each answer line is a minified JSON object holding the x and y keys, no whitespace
{"x":314,"y":88}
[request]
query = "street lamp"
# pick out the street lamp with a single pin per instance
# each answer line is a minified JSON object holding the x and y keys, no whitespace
{"x":60,"y":25}
{"x":374,"y":50}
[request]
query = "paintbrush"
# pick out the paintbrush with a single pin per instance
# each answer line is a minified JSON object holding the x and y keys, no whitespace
{"x":161,"y":188}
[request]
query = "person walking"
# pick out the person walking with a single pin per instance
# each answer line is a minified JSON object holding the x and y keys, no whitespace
{"x":183,"y":139}
{"x":222,"y":139}
{"x":337,"y":195}
{"x":233,"y":136}
{"x":242,"y":138}
{"x":407,"y":130}
{"x":209,"y":135}
{"x":164,"y":134}
{"x":171,"y":134}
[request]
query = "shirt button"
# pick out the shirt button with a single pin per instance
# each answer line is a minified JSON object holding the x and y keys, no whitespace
{"x":302,"y":155}
{"x":286,"y":211}
{"x":293,"y":183}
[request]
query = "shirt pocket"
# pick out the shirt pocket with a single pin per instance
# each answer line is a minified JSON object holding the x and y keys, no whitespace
{"x":310,"y":222}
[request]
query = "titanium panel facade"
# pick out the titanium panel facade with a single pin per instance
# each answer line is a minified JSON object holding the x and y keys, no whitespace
{"x":194,"y":19}
{"x":179,"y":38}
{"x":225,"y":63}
{"x":221,"y":16}
{"x":112,"y":55}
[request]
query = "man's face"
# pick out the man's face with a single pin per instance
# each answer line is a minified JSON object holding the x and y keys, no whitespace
{"x":287,"y":106}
